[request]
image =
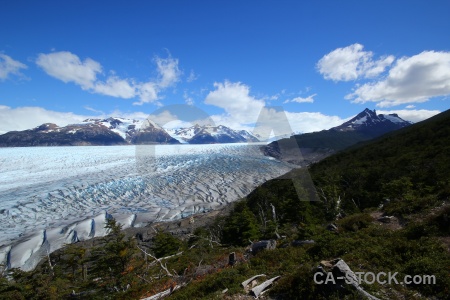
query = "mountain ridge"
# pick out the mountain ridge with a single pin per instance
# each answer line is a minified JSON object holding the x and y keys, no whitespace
{"x":308,"y":148}
{"x":120,"y":131}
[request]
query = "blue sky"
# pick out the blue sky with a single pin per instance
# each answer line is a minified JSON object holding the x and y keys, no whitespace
{"x":322,"y":61}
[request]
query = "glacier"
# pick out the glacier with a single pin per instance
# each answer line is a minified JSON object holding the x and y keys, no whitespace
{"x":52,"y":196}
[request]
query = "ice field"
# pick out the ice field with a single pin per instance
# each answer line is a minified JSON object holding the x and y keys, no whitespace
{"x":51,"y":196}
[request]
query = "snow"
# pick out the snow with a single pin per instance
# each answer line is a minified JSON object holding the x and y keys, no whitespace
{"x":360,"y":121}
{"x":50,"y":196}
{"x":393,"y":119}
{"x":121,"y":127}
{"x":183,"y":135}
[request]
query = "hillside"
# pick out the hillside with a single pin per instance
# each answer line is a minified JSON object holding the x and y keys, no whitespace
{"x":417,"y":157}
{"x":384,"y":206}
{"x":315,"y":146}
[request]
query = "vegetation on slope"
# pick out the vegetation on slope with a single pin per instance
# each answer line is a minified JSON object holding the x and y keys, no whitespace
{"x":408,"y":169}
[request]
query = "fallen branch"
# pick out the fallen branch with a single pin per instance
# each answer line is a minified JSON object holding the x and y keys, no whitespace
{"x":144,"y":279}
{"x":50,"y":262}
{"x":165,"y":293}
{"x":163,"y":258}
{"x":257,"y":290}
{"x":159,"y":260}
{"x":211,"y":240}
{"x":248,"y":281}
{"x":350,"y":276}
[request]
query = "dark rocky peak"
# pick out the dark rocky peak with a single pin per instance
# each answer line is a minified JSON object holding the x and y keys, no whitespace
{"x":46,"y":127}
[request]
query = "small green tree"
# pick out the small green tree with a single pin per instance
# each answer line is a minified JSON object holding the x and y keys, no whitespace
{"x":110,"y":260}
{"x":165,"y":244}
{"x":73,"y":258}
{"x":241,"y":226}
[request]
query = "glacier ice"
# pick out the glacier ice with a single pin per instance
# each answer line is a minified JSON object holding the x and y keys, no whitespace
{"x":51,"y":196}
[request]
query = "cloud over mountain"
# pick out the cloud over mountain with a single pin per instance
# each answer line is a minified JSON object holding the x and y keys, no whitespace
{"x":413,"y":79}
{"x":68,"y":67}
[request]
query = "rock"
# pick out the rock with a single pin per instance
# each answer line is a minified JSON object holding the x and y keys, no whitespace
{"x":232,"y":259}
{"x":332,"y":227}
{"x":298,"y":243}
{"x":263,"y":245}
{"x":139,"y":236}
{"x":386,"y":219}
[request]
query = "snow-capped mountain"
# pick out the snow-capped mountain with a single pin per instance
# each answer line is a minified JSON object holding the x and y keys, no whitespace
{"x":150,"y":133}
{"x":121,"y":131}
{"x":83,"y":134}
{"x":315,"y":146}
{"x":90,"y":132}
{"x":209,"y":134}
{"x":368,"y":121}
{"x":126,"y":128}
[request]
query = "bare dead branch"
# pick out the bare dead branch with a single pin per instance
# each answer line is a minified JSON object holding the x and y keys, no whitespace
{"x":159,"y":260}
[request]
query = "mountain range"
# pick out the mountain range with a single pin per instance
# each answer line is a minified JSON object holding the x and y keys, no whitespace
{"x":211,"y":134}
{"x":121,"y":131}
{"x":304,"y":149}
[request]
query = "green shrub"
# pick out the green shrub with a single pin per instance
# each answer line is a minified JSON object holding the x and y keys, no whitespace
{"x":165,"y":244}
{"x":355,"y":222}
{"x":240,"y":226}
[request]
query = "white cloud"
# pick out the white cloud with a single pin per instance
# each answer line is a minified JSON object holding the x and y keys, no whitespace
{"x":415,"y":115}
{"x":9,"y":66}
{"x":168,"y":71}
{"x":148,"y":92}
{"x":137,"y":115}
{"x":410,"y":106}
{"x":301,"y":121}
{"x":116,"y":87}
{"x":236,"y":100}
{"x":309,"y":99}
{"x":412,"y":79}
{"x":298,"y":121}
{"x":188,"y":99}
{"x":351,"y":63}
{"x":87,"y":107}
{"x":192,"y":76}
{"x":22,"y":118}
{"x":312,"y":121}
{"x":68,"y":67}
{"x":243,"y":110}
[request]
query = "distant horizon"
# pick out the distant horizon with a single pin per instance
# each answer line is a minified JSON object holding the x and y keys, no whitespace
{"x":184,"y":125}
